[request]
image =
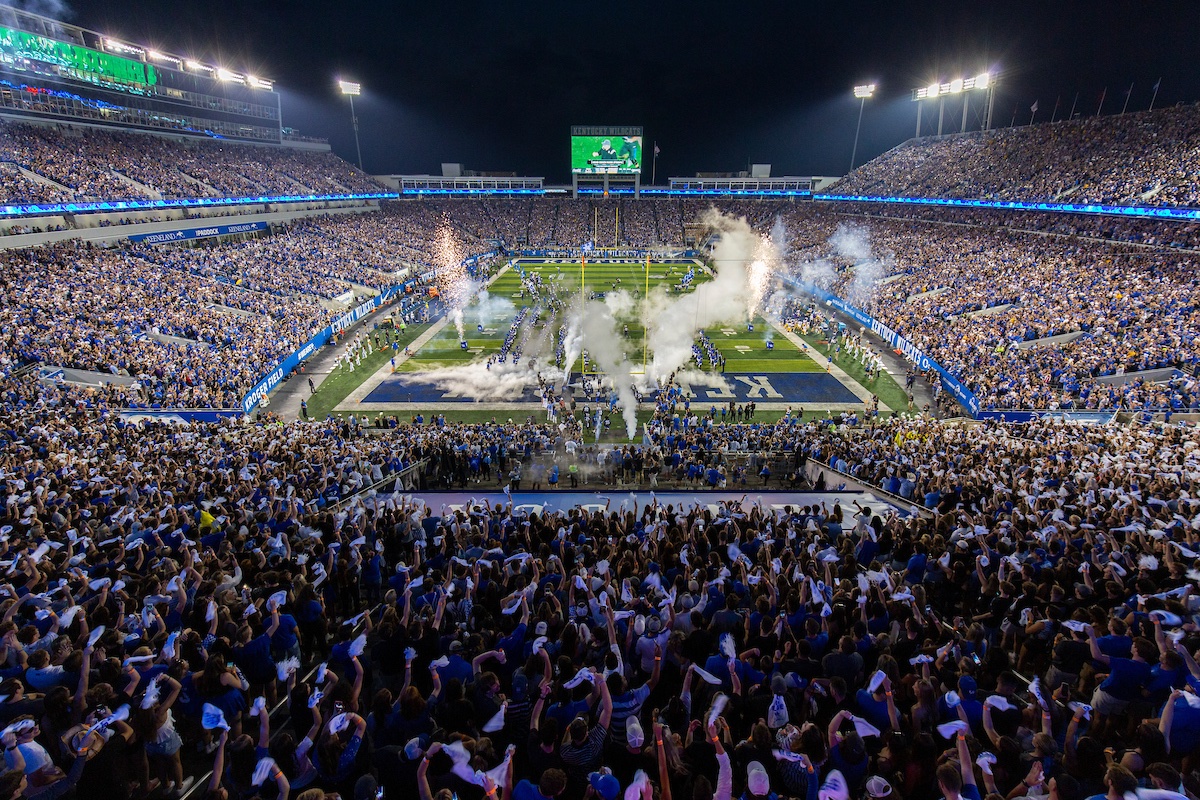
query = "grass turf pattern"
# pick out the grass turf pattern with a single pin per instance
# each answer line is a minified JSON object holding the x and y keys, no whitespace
{"x":744,"y":350}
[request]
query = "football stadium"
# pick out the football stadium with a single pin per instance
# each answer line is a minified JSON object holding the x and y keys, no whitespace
{"x":565,"y":479}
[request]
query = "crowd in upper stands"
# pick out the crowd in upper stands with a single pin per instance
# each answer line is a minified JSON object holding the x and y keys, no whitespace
{"x":971,"y":296}
{"x":74,"y":163}
{"x":1144,"y":158}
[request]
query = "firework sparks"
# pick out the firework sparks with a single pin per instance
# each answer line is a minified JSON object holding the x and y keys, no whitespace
{"x":454,"y":285}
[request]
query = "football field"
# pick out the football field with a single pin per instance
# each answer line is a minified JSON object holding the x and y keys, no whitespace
{"x":744,"y":346}
{"x":525,"y":312}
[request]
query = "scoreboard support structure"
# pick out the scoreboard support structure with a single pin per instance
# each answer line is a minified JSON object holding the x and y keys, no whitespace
{"x":607,"y":180}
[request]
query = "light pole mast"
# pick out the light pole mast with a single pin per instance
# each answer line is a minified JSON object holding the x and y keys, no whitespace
{"x":862,"y":93}
{"x":351,"y":90}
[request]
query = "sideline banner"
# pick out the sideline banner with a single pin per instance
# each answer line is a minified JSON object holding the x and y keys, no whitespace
{"x":179,"y":415}
{"x":184,"y":234}
{"x":965,"y":397}
{"x":272,"y":379}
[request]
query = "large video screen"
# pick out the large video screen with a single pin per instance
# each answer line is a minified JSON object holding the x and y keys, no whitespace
{"x":612,"y":155}
{"x":72,"y":61}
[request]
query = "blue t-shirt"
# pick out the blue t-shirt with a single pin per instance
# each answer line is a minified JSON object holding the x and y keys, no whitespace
{"x":872,"y":710}
{"x":528,"y":791}
{"x":285,"y":634}
{"x":1126,"y":678}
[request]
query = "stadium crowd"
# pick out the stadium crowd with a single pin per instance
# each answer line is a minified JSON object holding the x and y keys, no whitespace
{"x":198,"y":327}
{"x":96,"y":164}
{"x":975,"y":300}
{"x":279,"y":608}
{"x":168,"y":588}
{"x":1144,"y":158}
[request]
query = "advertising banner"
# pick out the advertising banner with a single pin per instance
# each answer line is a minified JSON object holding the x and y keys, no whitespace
{"x":962,"y":394}
{"x":286,"y":367}
{"x":163,"y":237}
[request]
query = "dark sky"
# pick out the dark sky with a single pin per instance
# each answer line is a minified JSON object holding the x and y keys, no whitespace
{"x":717,"y":84}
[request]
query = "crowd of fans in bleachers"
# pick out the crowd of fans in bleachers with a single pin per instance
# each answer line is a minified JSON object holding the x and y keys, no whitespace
{"x":168,"y":588}
{"x":92,"y":164}
{"x":1018,"y":621}
{"x":978,"y":299}
{"x":1144,"y":158}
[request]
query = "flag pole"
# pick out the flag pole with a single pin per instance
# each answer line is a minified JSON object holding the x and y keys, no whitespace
{"x":1127,"y":96}
{"x":1071,"y":116}
{"x":1054,"y":113}
{"x":1033,"y":111}
{"x":1155,"y":96}
{"x":1102,"y":96}
{"x":654,"y":167}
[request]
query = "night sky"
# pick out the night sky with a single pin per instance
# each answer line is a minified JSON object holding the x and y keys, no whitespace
{"x":718,"y":85}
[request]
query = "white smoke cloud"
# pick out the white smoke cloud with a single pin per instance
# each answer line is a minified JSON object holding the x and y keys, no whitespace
{"x":853,"y":244}
{"x":672,"y":321}
{"x":606,"y":347}
{"x":56,"y":9}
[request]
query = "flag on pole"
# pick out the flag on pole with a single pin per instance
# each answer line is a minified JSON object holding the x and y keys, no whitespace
{"x":656,"y":150}
{"x":1156,"y":85}
{"x":1033,"y":108}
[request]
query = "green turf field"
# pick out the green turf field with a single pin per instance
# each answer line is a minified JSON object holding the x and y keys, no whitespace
{"x":744,"y":350}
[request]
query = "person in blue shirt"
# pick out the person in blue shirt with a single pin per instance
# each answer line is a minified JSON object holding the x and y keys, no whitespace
{"x":285,"y":642}
{"x":1126,"y":679}
{"x":957,"y":781}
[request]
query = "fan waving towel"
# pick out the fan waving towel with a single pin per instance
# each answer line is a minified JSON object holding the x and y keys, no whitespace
{"x":497,"y":721}
{"x":706,"y":676}
{"x":95,"y":635}
{"x":864,"y":728}
{"x":718,"y":705}
{"x":213,"y":718}
{"x":948,"y":729}
{"x":266,"y":768}
{"x":584,"y":674}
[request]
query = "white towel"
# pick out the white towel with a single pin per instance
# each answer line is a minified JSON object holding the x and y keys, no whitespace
{"x":948,"y":729}
{"x":584,"y":674}
{"x":864,"y":728}
{"x":265,"y":769}
{"x":213,"y":718}
{"x":497,"y":721}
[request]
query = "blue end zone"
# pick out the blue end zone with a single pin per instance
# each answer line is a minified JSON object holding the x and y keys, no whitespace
{"x":770,"y":387}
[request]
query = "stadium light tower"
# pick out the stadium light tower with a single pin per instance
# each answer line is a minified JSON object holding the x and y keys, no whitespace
{"x":985,"y":81}
{"x":352,"y":90}
{"x":862,"y":93}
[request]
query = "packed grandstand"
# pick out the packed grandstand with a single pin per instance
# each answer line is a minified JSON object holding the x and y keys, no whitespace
{"x":271,"y":605}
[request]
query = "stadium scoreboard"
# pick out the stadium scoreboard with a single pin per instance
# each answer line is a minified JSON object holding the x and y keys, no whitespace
{"x":601,"y":150}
